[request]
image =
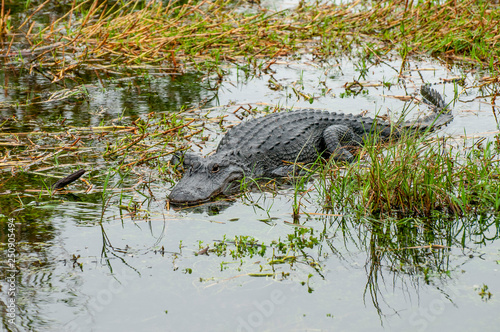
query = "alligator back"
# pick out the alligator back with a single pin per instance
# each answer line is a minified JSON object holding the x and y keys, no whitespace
{"x":282,"y":135}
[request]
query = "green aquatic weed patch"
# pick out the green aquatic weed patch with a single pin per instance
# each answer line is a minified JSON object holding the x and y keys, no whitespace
{"x":288,"y":250}
{"x":419,"y":247}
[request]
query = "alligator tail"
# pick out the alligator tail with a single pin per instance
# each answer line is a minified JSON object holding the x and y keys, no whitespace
{"x":432,"y":97}
{"x":441,"y":114}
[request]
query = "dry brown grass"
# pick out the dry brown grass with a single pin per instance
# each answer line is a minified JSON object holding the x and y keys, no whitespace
{"x":199,"y":34}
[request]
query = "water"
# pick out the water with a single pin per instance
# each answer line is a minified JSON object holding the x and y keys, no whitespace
{"x":85,"y":265}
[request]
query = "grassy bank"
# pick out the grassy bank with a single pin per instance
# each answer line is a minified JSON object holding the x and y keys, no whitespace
{"x":201,"y":34}
{"x":417,"y":177}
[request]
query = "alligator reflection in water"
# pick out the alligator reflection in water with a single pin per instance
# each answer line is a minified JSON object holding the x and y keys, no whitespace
{"x":211,"y":208}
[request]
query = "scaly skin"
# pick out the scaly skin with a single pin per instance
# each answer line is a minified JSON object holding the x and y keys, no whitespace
{"x":267,"y":146}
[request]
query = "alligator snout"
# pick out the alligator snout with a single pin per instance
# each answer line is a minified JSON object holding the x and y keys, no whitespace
{"x":208,"y":179}
{"x":187,"y":196}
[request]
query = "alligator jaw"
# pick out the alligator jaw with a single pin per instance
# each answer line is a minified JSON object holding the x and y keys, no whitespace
{"x":188,"y":203}
{"x":180,"y":197}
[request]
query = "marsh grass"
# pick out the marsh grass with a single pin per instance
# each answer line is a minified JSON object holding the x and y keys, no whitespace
{"x":411,"y":201}
{"x":417,"y":177}
{"x":193,"y":34}
{"x":102,"y":151}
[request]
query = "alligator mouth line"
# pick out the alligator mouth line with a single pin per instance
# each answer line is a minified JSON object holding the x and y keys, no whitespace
{"x":199,"y":202}
{"x":191,"y":203}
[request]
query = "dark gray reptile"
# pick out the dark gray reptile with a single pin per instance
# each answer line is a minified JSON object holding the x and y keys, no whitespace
{"x":267,"y":147}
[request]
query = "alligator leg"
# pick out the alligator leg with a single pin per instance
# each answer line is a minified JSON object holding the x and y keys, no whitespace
{"x":337,"y":138}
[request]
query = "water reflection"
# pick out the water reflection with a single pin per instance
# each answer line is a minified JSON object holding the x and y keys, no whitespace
{"x":36,"y":103}
{"x":395,"y":256}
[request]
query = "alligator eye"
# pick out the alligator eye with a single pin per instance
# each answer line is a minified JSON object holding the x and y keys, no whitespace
{"x":215,"y":168}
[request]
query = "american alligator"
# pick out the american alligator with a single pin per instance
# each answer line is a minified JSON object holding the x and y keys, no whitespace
{"x":269,"y":146}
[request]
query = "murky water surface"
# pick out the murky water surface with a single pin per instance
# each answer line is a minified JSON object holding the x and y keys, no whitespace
{"x":142,"y":273}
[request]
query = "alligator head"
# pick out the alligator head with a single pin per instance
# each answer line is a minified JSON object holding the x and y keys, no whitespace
{"x":205,"y":178}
